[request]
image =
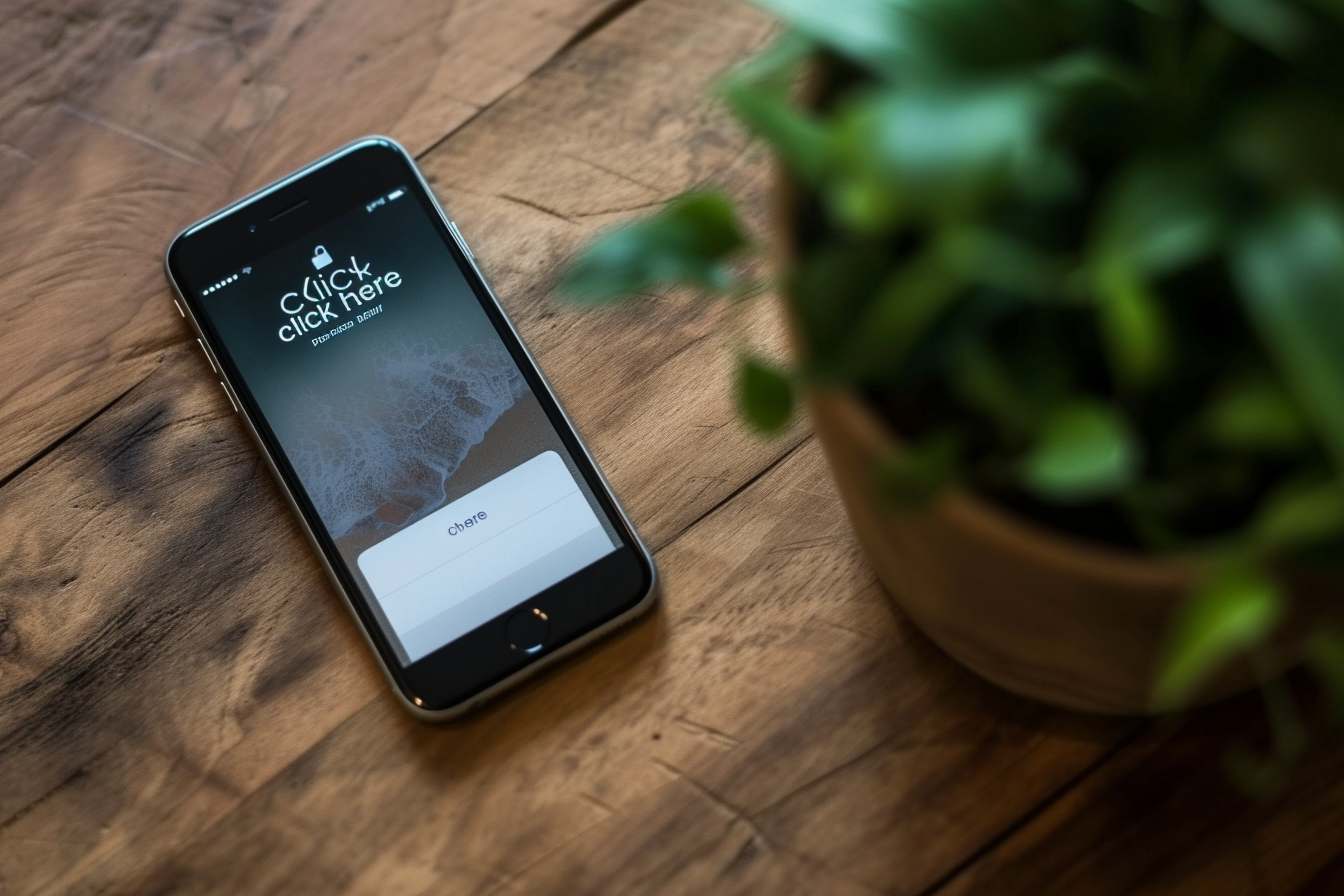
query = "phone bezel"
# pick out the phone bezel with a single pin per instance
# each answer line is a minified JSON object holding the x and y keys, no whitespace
{"x":472,"y":668}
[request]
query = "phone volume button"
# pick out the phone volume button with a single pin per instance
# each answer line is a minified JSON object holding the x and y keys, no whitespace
{"x":207,"y":356}
{"x":461,"y":241}
{"x":230,"y":394}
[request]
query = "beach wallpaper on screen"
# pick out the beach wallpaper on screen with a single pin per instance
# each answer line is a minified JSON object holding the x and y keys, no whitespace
{"x":395,"y":405}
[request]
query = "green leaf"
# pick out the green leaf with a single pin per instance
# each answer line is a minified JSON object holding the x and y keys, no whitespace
{"x":1255,"y":415}
{"x":1133,"y":326}
{"x":688,"y":242}
{"x":1290,"y":272}
{"x":913,"y":297}
{"x":828,"y":289}
{"x":1300,"y":515}
{"x":911,"y":476}
{"x":939,"y":148}
{"x":765,"y":395}
{"x":1234,"y":610}
{"x":767,"y":111}
{"x":1084,"y":451}
{"x":900,"y":38}
{"x":990,"y":258}
{"x":1162,"y":215}
{"x":866,"y":31}
{"x":1165,"y":8}
{"x":979,"y":378}
{"x":780,"y":64}
{"x":859,"y":197}
{"x":1086,"y":70}
{"x":1273,"y":24}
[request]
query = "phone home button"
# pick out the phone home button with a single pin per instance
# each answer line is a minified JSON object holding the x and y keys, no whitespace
{"x":527,"y":630}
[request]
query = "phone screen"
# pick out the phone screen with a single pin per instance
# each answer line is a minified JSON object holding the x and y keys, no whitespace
{"x":408,"y":423}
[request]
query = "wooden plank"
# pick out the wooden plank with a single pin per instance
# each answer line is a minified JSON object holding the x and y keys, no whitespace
{"x":164,"y":615}
{"x":709,"y":751}
{"x":1163,"y":817}
{"x":123,"y":122}
{"x":170,"y":643}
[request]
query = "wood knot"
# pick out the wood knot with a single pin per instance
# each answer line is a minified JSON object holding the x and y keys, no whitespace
{"x":9,"y":639}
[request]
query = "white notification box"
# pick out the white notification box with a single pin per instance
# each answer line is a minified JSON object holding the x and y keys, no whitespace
{"x":481,"y":538}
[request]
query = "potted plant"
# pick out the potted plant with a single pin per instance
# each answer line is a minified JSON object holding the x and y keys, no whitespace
{"x":1066,"y":281}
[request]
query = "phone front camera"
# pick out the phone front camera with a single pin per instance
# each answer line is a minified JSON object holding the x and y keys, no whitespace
{"x":251,"y":228}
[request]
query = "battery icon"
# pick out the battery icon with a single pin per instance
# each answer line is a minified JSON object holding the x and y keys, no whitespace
{"x":395,"y":194}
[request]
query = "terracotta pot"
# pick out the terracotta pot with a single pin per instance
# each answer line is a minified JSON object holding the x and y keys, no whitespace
{"x":1039,"y":613}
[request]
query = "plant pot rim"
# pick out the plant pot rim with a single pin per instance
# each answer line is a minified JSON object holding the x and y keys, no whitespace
{"x":1037,"y":541}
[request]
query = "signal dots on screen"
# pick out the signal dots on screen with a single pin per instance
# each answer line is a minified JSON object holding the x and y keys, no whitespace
{"x":220,"y":285}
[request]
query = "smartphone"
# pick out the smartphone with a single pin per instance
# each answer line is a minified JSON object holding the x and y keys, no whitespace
{"x":455,"y":508}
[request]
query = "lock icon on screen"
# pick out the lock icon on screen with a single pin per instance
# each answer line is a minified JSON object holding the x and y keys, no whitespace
{"x":320,"y":257}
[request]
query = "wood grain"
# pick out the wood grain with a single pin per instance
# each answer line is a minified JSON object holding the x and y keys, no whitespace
{"x":1164,"y":817}
{"x":122,"y":122}
{"x":184,"y":708}
{"x":697,"y":753}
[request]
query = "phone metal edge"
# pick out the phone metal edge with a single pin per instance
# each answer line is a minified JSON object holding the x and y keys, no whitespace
{"x":457,"y":710}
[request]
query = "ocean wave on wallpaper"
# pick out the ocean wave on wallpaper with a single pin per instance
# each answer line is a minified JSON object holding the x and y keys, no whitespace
{"x":383,"y":454}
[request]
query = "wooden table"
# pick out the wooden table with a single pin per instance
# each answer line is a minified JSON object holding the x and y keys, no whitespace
{"x":185,"y":708}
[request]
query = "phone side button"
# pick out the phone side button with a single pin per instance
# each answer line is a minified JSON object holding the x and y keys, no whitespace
{"x":230,"y":394}
{"x":179,"y":308}
{"x":207,"y":356}
{"x":461,"y":241}
{"x":527,"y":630}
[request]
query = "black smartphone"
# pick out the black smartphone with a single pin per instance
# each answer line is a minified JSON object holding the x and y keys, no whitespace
{"x":454,"y":506}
